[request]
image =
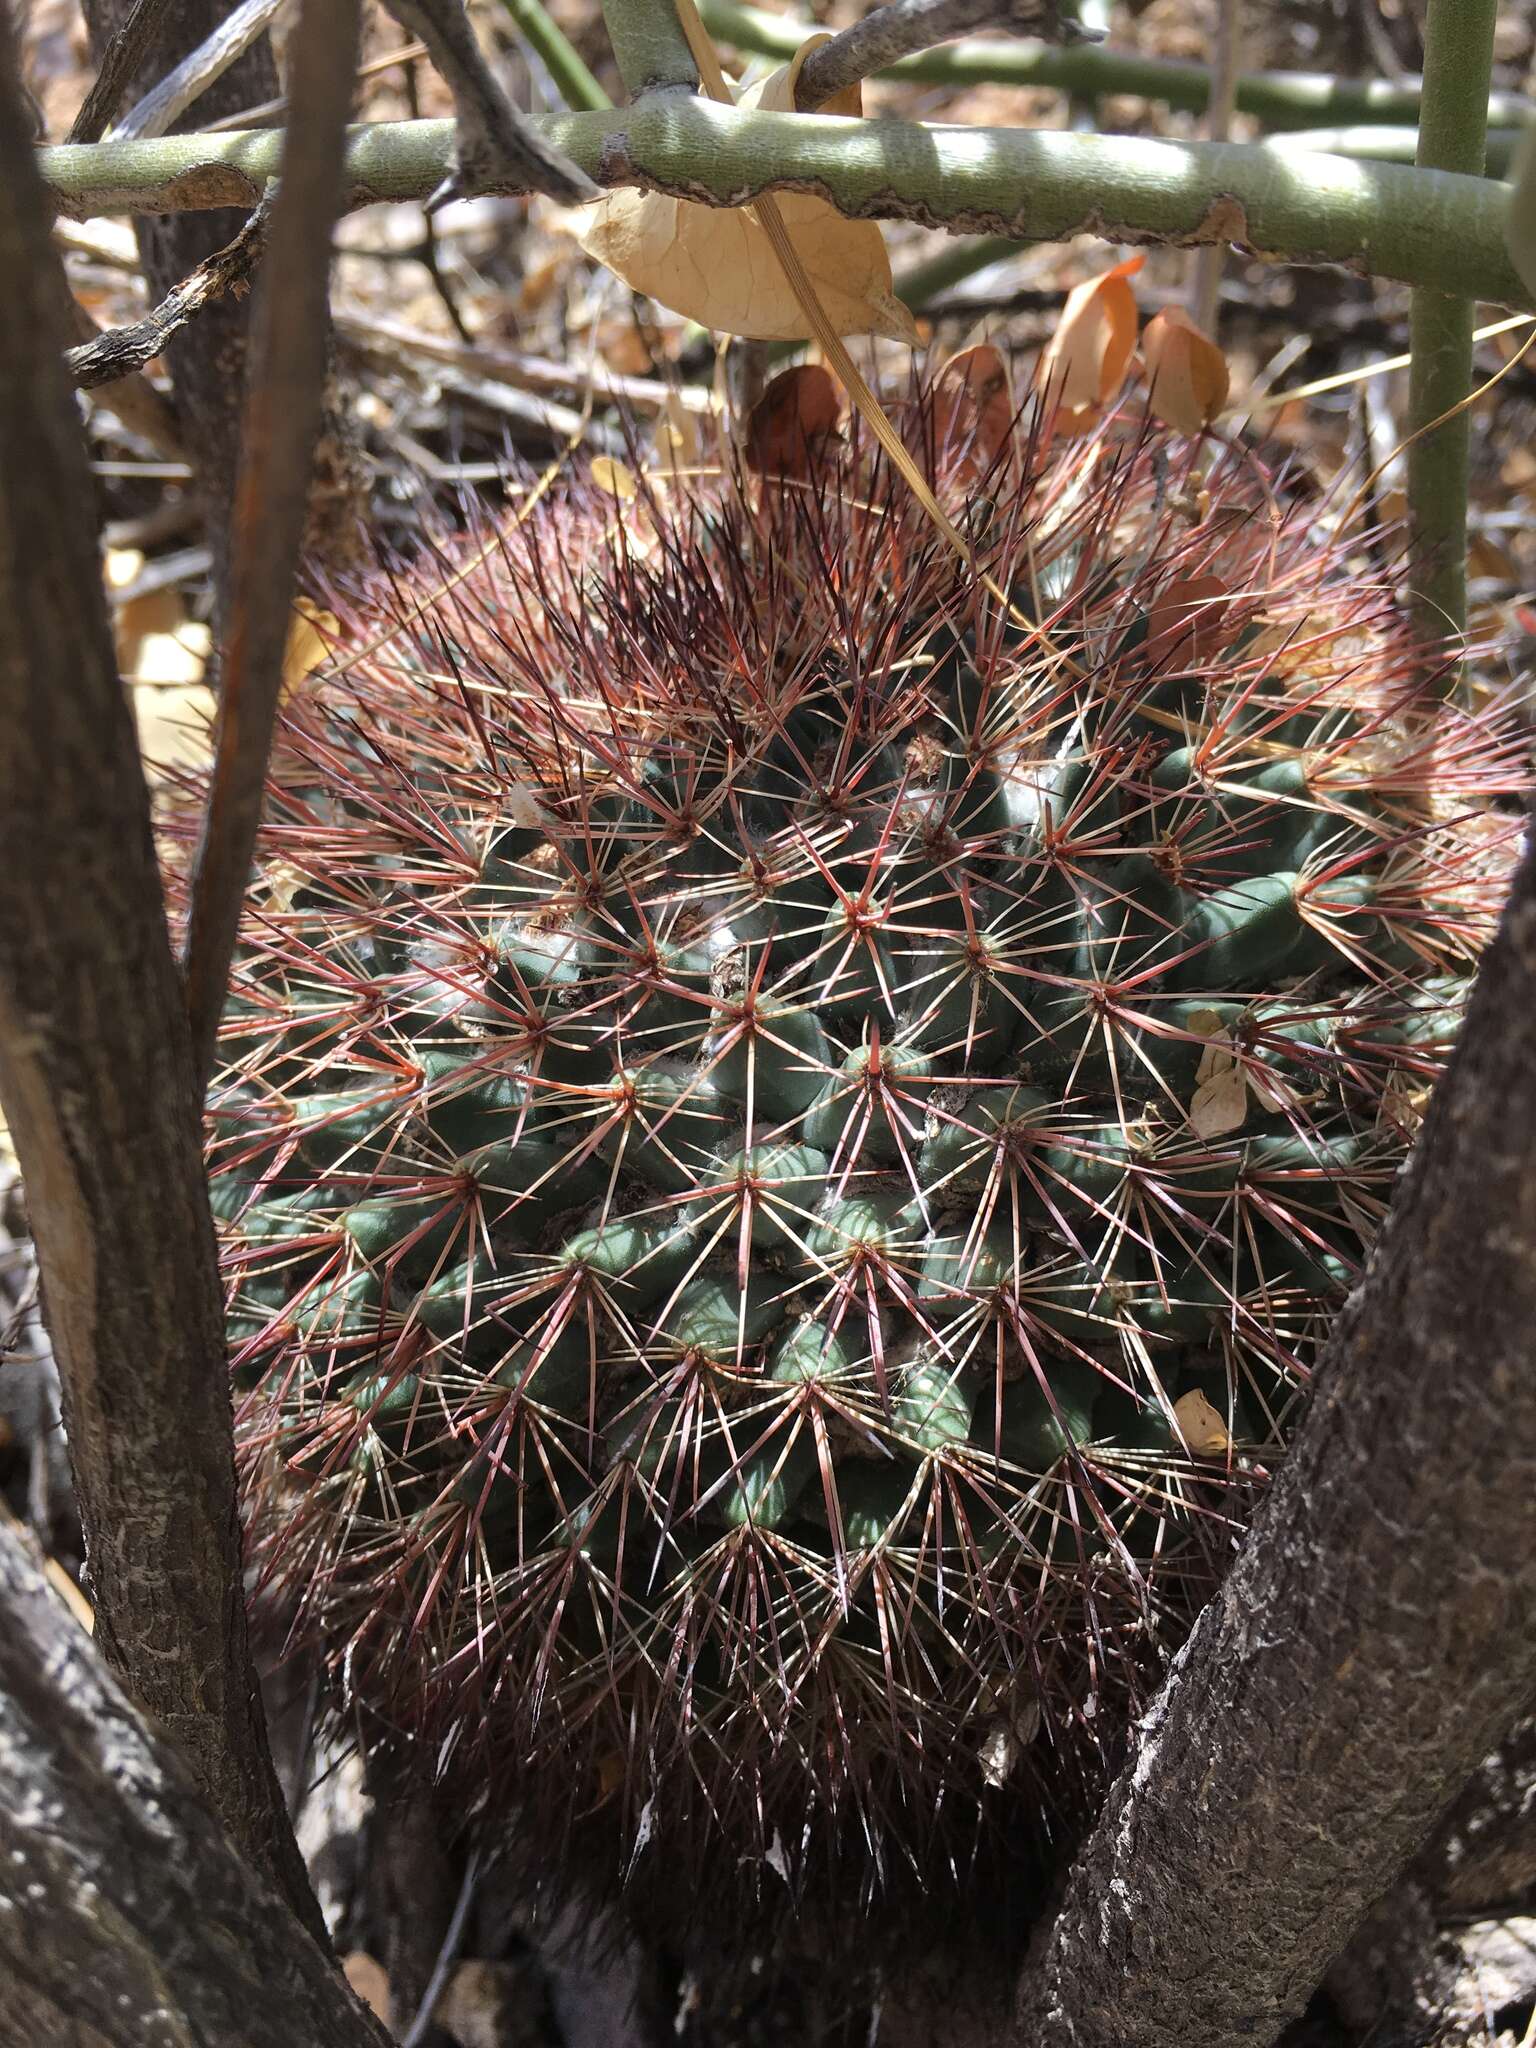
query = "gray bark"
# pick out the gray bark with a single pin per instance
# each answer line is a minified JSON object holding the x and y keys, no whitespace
{"x":1377,"y":1635}
{"x":126,"y":1918}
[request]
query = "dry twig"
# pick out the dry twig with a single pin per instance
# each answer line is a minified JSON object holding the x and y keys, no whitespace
{"x":889,"y":33}
{"x":492,"y":139}
{"x":282,"y":420}
{"x":121,"y":351}
{"x":124,"y":55}
{"x":192,"y":77}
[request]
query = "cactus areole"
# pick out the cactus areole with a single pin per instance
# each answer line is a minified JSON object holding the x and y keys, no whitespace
{"x":790,"y":1132}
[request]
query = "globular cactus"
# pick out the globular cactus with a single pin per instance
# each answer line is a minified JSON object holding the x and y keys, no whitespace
{"x":791,"y":1130}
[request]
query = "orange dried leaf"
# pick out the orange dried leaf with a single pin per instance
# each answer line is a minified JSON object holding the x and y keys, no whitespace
{"x":973,"y":407}
{"x":1085,"y":361}
{"x":788,"y":428}
{"x":1186,"y":372}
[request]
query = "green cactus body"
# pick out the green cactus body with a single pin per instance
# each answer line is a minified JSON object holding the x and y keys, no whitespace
{"x":717,"y":1239}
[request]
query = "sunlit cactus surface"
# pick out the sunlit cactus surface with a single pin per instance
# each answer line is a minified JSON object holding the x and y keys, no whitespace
{"x":791,"y":1130}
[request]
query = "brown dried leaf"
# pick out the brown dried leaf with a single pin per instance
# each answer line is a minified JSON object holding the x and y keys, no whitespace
{"x":1186,"y":372}
{"x":1084,"y":363}
{"x":790,"y":425}
{"x":717,"y":266}
{"x":369,"y":1980}
{"x":1186,"y":625}
{"x":1220,"y":1103}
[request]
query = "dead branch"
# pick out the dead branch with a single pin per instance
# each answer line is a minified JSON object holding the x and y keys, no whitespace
{"x":120,"y":352}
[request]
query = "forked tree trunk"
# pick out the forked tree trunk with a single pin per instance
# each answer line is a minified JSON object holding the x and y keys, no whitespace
{"x":1377,"y":1636}
{"x":99,"y":1088}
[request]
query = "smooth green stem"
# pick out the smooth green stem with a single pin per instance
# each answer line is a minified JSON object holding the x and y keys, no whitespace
{"x":574,"y":82}
{"x":1294,"y":99}
{"x":1458,"y":57}
{"x":1520,"y":222}
{"x":649,"y":47}
{"x":1028,"y":185}
{"x":1391,"y":145}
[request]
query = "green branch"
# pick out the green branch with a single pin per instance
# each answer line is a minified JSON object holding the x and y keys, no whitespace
{"x":1388,"y":144}
{"x":649,"y":47}
{"x":1420,"y":227}
{"x":1298,"y":99}
{"x":562,"y":60}
{"x":1458,"y":57}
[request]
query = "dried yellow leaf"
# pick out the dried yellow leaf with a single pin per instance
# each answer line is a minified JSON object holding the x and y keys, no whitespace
{"x":716,"y":265}
{"x":1202,"y":1427}
{"x":311,"y":636}
{"x":677,"y":443}
{"x":613,"y":477}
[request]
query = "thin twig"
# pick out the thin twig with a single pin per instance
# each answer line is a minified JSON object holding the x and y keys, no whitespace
{"x":192,"y":77}
{"x":904,"y":26}
{"x":121,"y":61}
{"x":137,"y":404}
{"x":426,"y":250}
{"x":119,"y":352}
{"x":447,"y":1955}
{"x":1207,"y":264}
{"x":492,"y":139}
{"x":274,"y":110}
{"x":525,"y":372}
{"x":545,"y":420}
{"x":282,"y":420}
{"x":575,"y":83}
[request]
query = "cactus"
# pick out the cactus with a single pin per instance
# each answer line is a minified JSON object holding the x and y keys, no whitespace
{"x":790,"y":1131}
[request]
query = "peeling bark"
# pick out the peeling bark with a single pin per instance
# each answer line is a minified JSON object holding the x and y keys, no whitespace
{"x":1377,"y":1635}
